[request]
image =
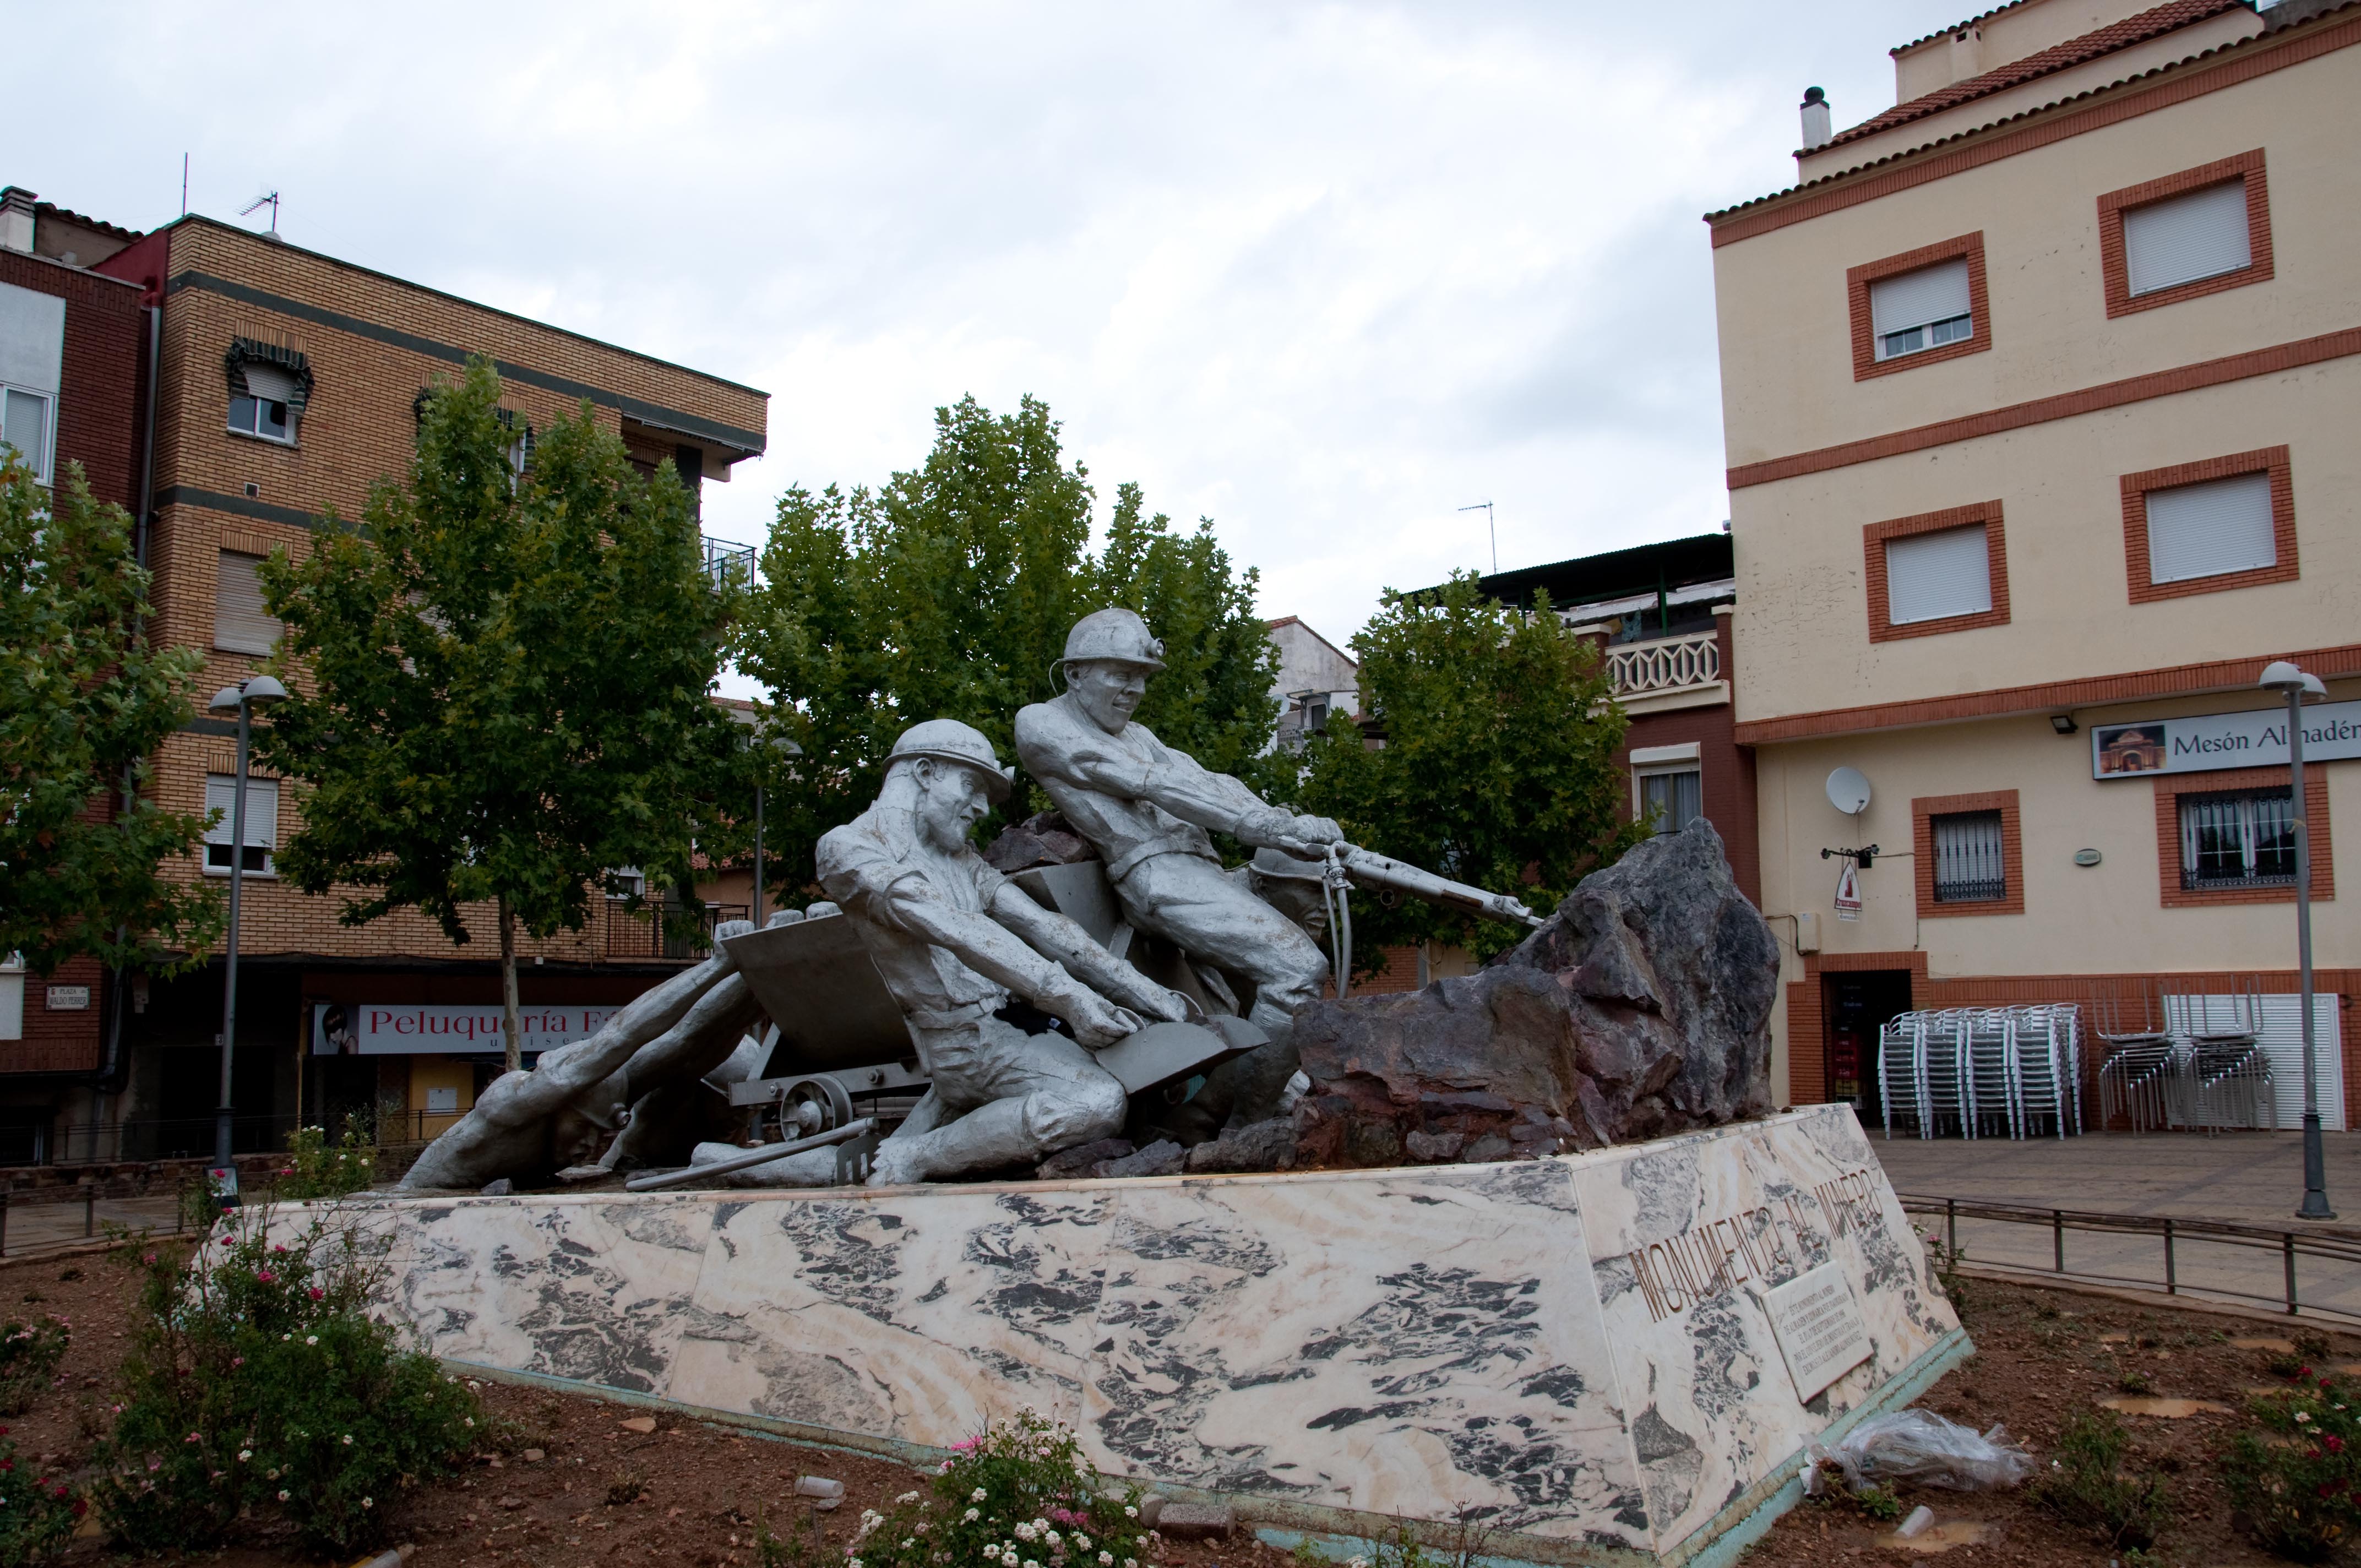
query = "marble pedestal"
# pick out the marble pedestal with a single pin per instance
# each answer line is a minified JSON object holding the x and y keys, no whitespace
{"x":1578,"y":1351}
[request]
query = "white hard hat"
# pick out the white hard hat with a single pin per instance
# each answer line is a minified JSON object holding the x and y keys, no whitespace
{"x":948,"y":740}
{"x":1113,"y":634}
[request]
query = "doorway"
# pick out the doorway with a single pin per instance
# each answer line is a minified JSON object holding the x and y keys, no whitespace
{"x":1857,"y":1006}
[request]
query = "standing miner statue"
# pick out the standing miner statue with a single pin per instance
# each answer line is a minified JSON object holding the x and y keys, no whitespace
{"x":1147,"y":808}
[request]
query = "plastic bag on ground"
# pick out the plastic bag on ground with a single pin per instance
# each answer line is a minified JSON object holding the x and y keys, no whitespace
{"x":1921,"y":1446}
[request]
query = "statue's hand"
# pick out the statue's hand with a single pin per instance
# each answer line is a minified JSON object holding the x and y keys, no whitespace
{"x":723,"y":964}
{"x":1097,"y":1023}
{"x":1170,"y":1006}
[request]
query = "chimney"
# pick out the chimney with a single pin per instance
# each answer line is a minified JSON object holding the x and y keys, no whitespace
{"x":1815,"y":119}
{"x":16,"y":219}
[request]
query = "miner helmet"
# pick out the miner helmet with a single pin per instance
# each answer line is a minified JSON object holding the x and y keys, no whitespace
{"x":1118,"y":635}
{"x":1281,"y":866}
{"x":948,"y":740}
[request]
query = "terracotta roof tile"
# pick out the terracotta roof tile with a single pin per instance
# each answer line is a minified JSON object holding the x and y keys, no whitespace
{"x":1958,"y":28}
{"x":2106,"y":40}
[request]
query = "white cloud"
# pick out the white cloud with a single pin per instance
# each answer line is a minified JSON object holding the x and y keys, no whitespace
{"x":1324,"y":273}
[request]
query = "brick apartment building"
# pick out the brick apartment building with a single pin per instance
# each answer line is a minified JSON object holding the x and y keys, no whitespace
{"x":287,"y":383}
{"x":73,"y":358}
{"x":2039,"y":390}
{"x":1661,"y":613}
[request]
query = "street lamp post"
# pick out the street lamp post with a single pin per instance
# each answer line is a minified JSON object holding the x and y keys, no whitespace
{"x":243,"y":699}
{"x":2299,"y":686}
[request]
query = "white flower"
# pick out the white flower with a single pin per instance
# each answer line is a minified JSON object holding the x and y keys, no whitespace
{"x":283,"y":1495}
{"x":908,"y":1543}
{"x":2303,"y":1415}
{"x":348,"y":1440}
{"x":1106,"y":1560}
{"x":243,"y":1454}
{"x":970,"y":1516}
{"x":1030,"y":1563}
{"x":310,"y":1339}
{"x":469,"y":1419}
{"x":1129,"y":1512}
{"x":976,"y":1495}
{"x":1131,"y":1563}
{"x":1081,"y":1541}
{"x":852,"y":1562}
{"x":1029,"y":1530}
{"x":908,"y":1497}
{"x":369,"y":1502}
{"x":1050,"y":1537}
{"x":992,"y":1553}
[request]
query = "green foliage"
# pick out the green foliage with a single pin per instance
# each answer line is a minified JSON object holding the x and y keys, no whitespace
{"x":1878,"y":1503}
{"x":507,"y":679}
{"x":257,"y":1380}
{"x":38,"y":1514}
{"x":2086,"y":1489}
{"x":29,"y":1354}
{"x":314,"y":1169}
{"x":2302,"y":1484}
{"x":1498,"y":760}
{"x":947,"y":594}
{"x":1019,"y":1492}
{"x":83,"y":698}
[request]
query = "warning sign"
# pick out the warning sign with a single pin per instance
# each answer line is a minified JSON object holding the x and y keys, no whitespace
{"x":1849,"y":891}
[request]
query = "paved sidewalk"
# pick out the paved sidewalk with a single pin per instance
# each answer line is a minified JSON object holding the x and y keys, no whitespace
{"x":2255,"y":1178}
{"x":37,"y":1228}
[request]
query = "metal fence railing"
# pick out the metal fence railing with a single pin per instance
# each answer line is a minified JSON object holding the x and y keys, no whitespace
{"x":637,"y":934}
{"x":168,"y":1137}
{"x":2204,"y":1259}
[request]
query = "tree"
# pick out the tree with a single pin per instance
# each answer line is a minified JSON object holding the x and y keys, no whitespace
{"x":947,"y":594}
{"x":503,"y":686}
{"x":83,"y":700}
{"x":1497,"y":762}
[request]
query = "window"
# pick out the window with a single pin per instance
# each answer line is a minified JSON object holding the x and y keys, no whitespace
{"x":12,"y":997}
{"x":2198,"y":528}
{"x":24,"y":428}
{"x":261,"y":824}
{"x":1920,"y":310}
{"x":2238,"y":838}
{"x":1933,"y":576}
{"x":2201,"y":235}
{"x":519,"y":431}
{"x":1919,"y":307}
{"x":634,"y":885}
{"x":262,"y":408}
{"x":1671,"y":797}
{"x":2203,"y":531}
{"x":1971,"y":857}
{"x":241,"y":624}
{"x":2191,"y":233}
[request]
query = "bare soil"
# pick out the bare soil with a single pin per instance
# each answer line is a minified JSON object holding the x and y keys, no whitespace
{"x":571,"y":1482}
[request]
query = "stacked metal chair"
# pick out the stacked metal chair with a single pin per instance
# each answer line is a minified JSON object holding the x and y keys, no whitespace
{"x":2140,"y":1076}
{"x":1982,"y":1071}
{"x":2044,"y":1048}
{"x":2225,"y":1073}
{"x":1994,"y":1107}
{"x":1900,"y":1081}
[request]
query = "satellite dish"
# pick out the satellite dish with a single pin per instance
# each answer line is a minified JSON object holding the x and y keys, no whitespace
{"x":1848,"y":791}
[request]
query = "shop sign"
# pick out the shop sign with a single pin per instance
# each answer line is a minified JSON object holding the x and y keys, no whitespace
{"x":409,"y":1028}
{"x":2256,"y":738}
{"x":1849,"y":891}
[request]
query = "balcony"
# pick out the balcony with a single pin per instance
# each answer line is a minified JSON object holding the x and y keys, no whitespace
{"x":1669,"y":672}
{"x":634,"y":934}
{"x":723,"y":559}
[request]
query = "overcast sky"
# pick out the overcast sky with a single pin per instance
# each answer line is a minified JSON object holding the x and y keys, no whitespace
{"x":1322,"y":273}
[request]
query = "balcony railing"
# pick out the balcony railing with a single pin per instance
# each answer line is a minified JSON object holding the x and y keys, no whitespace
{"x":636,"y":934}
{"x":723,"y":558}
{"x":1672,"y":663}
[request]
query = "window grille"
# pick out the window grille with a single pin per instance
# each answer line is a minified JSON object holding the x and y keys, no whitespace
{"x":2241,"y":838}
{"x":1670,"y":800}
{"x":1970,"y":862}
{"x":1920,"y":310}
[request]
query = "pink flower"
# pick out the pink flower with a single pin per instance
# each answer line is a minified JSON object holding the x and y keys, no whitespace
{"x":149,"y":1258}
{"x":190,"y":1438}
{"x":317,"y":1294}
{"x":237,"y":1361}
{"x":265,"y":1276}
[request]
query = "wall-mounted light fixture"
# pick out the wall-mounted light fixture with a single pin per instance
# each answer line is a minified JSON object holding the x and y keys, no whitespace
{"x":2063,"y":723}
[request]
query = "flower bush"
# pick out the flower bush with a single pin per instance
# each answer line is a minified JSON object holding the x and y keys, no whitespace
{"x":2301,"y":1486}
{"x":38,"y":1514}
{"x":256,"y":1380}
{"x":29,"y":1354}
{"x":314,"y":1169}
{"x":1019,"y":1495}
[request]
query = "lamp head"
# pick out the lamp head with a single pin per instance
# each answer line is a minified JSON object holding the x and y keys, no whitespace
{"x":224,"y":700}
{"x":2281,"y":676}
{"x":261,"y":691}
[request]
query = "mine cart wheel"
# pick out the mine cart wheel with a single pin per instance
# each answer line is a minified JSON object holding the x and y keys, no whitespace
{"x":806,"y":1106}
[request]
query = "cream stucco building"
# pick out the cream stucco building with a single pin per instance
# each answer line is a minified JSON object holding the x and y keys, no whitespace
{"x":2040,"y":392}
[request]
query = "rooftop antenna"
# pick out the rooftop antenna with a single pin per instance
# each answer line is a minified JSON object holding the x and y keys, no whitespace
{"x":1486,"y":508}
{"x":273,"y":199}
{"x":185,"y":184}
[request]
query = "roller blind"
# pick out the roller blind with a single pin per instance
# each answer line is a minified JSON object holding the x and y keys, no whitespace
{"x":269,"y":381}
{"x":1931,"y":576}
{"x":261,"y":820}
{"x":1934,"y":293}
{"x":2201,"y":235}
{"x":2203,"y":531}
{"x":241,"y":625}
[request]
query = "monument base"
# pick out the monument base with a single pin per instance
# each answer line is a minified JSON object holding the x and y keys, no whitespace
{"x":1610,"y":1357}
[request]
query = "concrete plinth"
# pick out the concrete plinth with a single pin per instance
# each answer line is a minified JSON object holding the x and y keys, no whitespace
{"x":1578,"y":1349}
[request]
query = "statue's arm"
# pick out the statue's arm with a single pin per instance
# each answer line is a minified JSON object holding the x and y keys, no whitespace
{"x":1058,"y":937}
{"x":701,"y":1042}
{"x":980,"y":942}
{"x":1173,"y":780}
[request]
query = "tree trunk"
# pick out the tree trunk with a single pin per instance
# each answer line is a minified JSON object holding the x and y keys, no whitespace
{"x":508,"y":986}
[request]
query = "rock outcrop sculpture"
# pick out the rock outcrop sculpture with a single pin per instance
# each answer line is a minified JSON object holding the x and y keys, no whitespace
{"x":1639,"y":1009}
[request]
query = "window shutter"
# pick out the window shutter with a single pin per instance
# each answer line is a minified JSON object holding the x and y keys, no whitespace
{"x":2203,"y":531}
{"x":25,"y":425}
{"x":269,"y":381}
{"x":1934,"y":293}
{"x":1931,"y":576}
{"x":241,"y":625}
{"x":2201,"y":235}
{"x":261,"y":815}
